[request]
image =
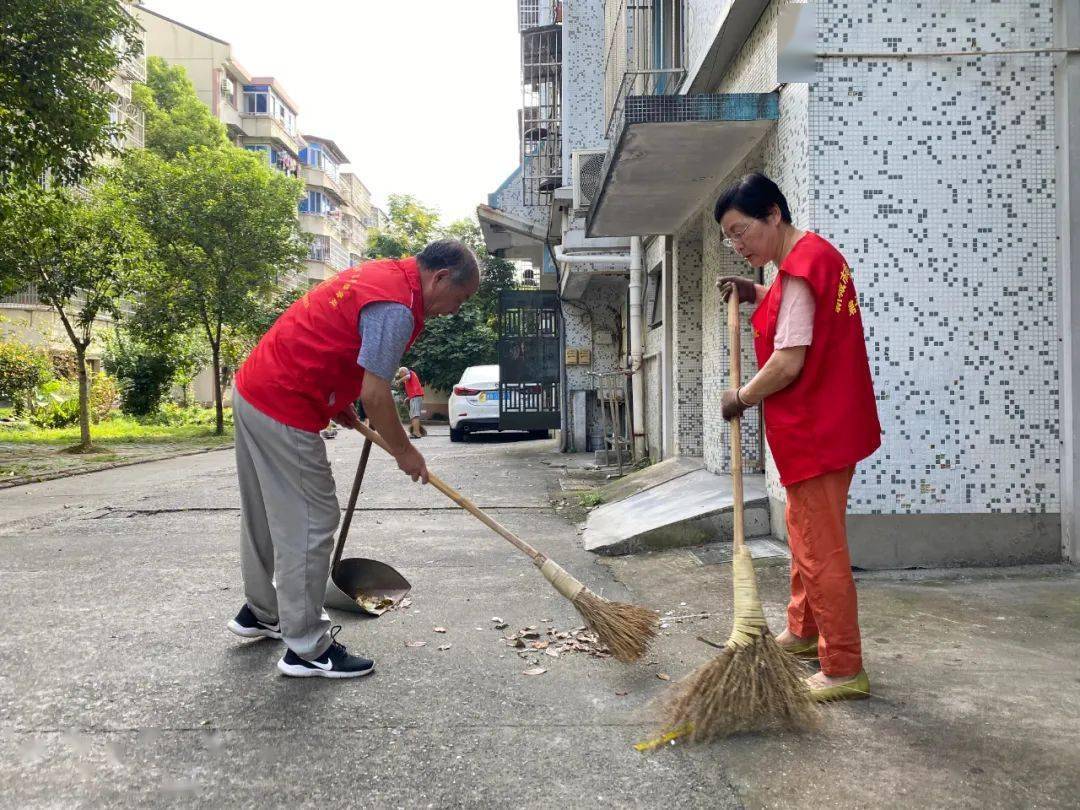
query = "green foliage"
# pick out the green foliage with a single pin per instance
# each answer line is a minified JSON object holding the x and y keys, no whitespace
{"x":451,"y":344}
{"x":173,"y":415}
{"x":145,"y":370}
{"x":412,"y":226}
{"x":84,"y":251}
{"x":591,"y":498}
{"x":176,"y":120}
{"x":23,"y":369}
{"x":56,"y":60}
{"x":57,"y":405}
{"x":57,"y":401}
{"x":208,"y":277}
{"x":104,"y":396}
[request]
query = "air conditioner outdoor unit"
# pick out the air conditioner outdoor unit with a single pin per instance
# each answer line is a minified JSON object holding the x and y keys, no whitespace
{"x":586,"y":166}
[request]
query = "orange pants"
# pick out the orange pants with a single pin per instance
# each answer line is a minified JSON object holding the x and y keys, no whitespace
{"x":823,"y":601}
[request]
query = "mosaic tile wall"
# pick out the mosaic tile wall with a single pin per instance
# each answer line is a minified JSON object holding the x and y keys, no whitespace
{"x":686,"y":370}
{"x":583,"y":85}
{"x":935,"y":178}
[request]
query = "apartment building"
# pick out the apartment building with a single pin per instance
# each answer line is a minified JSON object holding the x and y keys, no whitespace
{"x":261,"y":117}
{"x":936,"y":146}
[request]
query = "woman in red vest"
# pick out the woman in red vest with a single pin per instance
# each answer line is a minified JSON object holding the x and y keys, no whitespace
{"x":819,"y":411}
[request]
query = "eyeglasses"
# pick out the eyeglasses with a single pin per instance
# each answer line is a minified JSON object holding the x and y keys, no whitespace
{"x":729,"y":242}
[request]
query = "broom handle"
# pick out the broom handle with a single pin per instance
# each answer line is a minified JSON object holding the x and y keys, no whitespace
{"x":537,"y":557}
{"x":734,"y":334}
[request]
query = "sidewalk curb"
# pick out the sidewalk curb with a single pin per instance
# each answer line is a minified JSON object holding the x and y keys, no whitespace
{"x":37,"y":479}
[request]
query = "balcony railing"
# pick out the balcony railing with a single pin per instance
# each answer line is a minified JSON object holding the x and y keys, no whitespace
{"x":29,"y":297}
{"x":642,"y":83}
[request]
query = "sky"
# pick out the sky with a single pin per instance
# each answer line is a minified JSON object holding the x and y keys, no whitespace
{"x":420,"y":94}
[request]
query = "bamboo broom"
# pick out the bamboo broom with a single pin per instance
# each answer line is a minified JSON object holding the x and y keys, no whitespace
{"x":625,"y":629}
{"x":753,"y":684}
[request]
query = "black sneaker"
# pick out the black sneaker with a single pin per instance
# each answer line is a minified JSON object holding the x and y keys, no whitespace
{"x":334,"y":663}
{"x":246,"y":625}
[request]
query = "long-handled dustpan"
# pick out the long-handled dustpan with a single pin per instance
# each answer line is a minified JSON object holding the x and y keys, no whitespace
{"x":357,"y":584}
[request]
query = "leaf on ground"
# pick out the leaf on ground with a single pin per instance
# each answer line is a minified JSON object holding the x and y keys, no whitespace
{"x":496,"y":619}
{"x":552,"y":653}
{"x":539,"y":645}
{"x":501,"y":626}
{"x":415,"y":643}
{"x":440,"y":629}
{"x":534,"y":671}
{"x":663,"y":676}
{"x":444,"y":647}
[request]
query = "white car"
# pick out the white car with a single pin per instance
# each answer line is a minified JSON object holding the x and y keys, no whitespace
{"x":474,"y":404}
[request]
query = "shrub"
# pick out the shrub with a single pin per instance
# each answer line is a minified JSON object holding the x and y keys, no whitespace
{"x":57,"y":405}
{"x":145,"y":375}
{"x":23,"y":369}
{"x":104,"y":396}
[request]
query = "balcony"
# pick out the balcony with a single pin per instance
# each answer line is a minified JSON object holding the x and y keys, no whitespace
{"x":667,"y":153}
{"x":266,"y":127}
{"x":325,"y":178}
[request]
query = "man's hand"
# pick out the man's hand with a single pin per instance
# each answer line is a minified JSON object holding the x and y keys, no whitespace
{"x":412,"y":463}
{"x":347,"y":417}
{"x":745,"y":287}
{"x":731,"y":406}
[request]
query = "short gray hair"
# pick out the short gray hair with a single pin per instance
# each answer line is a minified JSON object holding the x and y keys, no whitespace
{"x":452,"y":255}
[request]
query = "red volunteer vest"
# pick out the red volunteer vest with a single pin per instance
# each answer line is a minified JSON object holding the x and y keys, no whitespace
{"x":304,"y":369}
{"x":827,"y":419}
{"x":412,"y":386}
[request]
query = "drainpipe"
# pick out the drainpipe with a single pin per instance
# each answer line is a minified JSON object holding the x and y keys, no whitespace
{"x":637,"y":276}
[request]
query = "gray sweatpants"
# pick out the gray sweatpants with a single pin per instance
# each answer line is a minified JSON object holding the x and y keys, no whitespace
{"x":288,"y":515}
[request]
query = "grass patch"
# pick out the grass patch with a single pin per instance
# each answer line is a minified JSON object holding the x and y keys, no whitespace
{"x":117,"y":430}
{"x":591,"y":498}
{"x":30,"y":453}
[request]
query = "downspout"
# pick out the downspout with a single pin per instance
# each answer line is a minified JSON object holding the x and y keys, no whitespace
{"x":637,"y":382}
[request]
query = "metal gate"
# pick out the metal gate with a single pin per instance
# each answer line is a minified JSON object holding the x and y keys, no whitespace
{"x":529,"y":360}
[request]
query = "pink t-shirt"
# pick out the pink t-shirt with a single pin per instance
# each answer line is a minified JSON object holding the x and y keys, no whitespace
{"x":795,"y":321}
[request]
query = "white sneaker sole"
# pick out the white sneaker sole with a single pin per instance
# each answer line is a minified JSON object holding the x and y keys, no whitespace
{"x":252,"y":632}
{"x":298,"y":671}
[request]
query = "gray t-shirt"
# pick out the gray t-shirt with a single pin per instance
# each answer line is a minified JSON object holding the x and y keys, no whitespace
{"x":385,"y":328}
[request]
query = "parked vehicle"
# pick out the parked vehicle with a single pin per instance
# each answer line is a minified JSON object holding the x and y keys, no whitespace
{"x":474,"y":404}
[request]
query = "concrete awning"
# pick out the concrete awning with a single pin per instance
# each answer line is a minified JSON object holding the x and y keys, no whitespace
{"x":513,"y":237}
{"x":670,"y":153}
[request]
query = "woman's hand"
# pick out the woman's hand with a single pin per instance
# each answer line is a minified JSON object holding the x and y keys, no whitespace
{"x":745,"y":287}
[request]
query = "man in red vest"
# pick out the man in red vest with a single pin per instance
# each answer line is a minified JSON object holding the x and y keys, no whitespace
{"x":343,"y":340}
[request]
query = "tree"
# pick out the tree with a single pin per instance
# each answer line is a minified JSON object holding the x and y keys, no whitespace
{"x":176,"y":120}
{"x":412,"y":226}
{"x":83,"y":251}
{"x":227,"y":235}
{"x":147,"y":367}
{"x":56,"y":60}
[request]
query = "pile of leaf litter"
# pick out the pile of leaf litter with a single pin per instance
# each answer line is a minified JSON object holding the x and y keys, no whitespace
{"x":532,"y":641}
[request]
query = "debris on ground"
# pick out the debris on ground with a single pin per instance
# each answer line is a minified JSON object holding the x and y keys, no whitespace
{"x":439,"y":629}
{"x":553,"y":642}
{"x":415,"y":643}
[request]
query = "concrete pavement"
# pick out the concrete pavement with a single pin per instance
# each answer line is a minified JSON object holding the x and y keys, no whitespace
{"x":120,"y":686}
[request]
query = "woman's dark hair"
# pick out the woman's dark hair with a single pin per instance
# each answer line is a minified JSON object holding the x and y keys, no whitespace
{"x":754,"y":195}
{"x":452,"y":255}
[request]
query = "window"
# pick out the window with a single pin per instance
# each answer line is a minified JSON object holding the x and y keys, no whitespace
{"x":316,"y":203}
{"x":320,"y":249}
{"x":654,"y":299}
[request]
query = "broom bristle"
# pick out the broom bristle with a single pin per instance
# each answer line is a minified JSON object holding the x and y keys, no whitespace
{"x":625,"y":629}
{"x":758,"y":687}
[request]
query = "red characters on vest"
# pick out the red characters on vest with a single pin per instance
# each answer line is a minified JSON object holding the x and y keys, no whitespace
{"x":304,"y":370}
{"x":827,"y":419}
